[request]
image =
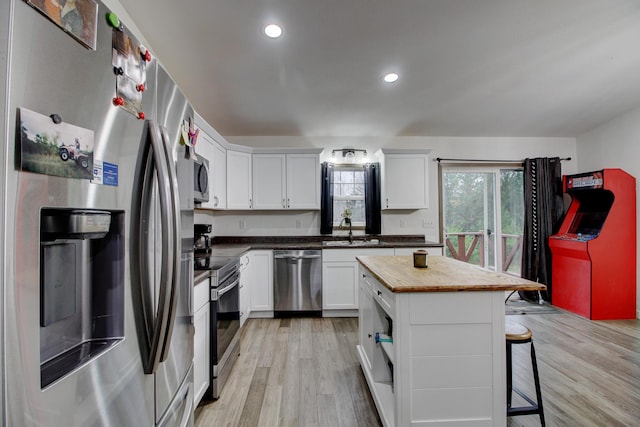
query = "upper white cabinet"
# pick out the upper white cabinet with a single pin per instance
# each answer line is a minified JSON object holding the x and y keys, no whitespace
{"x":269,"y":181}
{"x":211,"y":145}
{"x":303,"y":181}
{"x":405,"y":178}
{"x":286,"y":180}
{"x":239,"y":194}
{"x":216,"y":154}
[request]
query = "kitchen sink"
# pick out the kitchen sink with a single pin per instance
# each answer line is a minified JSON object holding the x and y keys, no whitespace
{"x":347,"y":243}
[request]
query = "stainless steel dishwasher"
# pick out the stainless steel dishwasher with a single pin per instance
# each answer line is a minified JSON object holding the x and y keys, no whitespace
{"x":297,"y":283}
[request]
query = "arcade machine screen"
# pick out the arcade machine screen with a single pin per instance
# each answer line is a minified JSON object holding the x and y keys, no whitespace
{"x":591,"y":214}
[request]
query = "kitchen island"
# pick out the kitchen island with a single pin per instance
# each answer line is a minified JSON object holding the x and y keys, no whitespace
{"x":432,"y":343}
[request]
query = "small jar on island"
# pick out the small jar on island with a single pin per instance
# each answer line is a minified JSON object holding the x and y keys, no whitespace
{"x":420,"y":258}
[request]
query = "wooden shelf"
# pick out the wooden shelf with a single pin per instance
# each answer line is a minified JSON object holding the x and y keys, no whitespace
{"x":381,"y":391}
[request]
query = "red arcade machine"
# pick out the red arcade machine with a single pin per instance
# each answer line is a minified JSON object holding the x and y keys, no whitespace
{"x":594,"y":252}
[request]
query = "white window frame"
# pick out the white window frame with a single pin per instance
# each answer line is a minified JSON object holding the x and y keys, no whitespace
{"x":337,"y":218}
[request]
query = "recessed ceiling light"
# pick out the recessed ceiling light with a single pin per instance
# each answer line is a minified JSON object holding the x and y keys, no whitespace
{"x":391,"y":77}
{"x":272,"y":30}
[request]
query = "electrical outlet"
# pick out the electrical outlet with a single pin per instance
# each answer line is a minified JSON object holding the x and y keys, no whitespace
{"x":402,"y":223}
{"x":298,"y":223}
{"x":427,"y":223}
{"x":243,"y":224}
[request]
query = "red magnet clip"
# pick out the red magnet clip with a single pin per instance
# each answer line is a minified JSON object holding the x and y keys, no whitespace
{"x":140,"y":88}
{"x":141,"y":115}
{"x":146,"y":55}
{"x":118,"y":101}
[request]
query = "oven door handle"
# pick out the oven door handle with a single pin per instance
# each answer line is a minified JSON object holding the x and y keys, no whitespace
{"x":217,"y":293}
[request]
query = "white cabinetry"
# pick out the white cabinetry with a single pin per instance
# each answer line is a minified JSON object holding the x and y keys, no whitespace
{"x":303,"y":181}
{"x":286,"y":181}
{"x":446,"y":350}
{"x":269,"y":181}
{"x":201,"y":339}
{"x":405,"y":179}
{"x":246,"y":277}
{"x":216,"y":154}
{"x":261,"y":287}
{"x":340,"y":279}
{"x":239,"y":193}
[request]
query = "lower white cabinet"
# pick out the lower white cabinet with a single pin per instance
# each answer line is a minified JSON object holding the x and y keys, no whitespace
{"x":246,"y":275}
{"x":439,"y":359}
{"x":340,"y":279}
{"x":338,"y":292}
{"x":201,"y":340}
{"x":261,"y":286}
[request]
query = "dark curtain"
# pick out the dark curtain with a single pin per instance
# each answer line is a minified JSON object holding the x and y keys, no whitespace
{"x":372,"y":202}
{"x":326,"y":198}
{"x":543,"y":210}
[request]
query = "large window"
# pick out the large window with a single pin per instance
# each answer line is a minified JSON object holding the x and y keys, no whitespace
{"x":348,"y":195}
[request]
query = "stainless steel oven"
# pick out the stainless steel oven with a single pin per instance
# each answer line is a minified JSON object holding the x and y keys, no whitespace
{"x":225,"y":318}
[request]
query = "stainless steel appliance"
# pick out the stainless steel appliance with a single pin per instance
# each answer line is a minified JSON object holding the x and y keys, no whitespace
{"x":201,"y":244}
{"x":297,"y":282}
{"x":201,"y":180}
{"x":225,"y":318}
{"x":97,"y":275}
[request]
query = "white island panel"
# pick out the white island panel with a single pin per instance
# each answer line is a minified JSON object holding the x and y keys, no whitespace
{"x":446,"y":365}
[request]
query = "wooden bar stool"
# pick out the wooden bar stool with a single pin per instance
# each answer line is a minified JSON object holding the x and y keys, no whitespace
{"x":516,"y":333}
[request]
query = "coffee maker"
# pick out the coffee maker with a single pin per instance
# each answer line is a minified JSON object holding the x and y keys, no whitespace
{"x":201,"y":245}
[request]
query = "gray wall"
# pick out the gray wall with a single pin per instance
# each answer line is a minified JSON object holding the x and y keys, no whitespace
{"x":615,"y":144}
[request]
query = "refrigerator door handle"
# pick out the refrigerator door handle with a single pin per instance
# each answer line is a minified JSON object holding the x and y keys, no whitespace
{"x":173,"y":212}
{"x":152,"y":322}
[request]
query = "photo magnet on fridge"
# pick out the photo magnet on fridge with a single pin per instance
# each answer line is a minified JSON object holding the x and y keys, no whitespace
{"x":76,"y":17}
{"x":53,"y":147}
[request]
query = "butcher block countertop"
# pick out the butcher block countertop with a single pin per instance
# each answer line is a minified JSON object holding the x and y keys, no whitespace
{"x":443,"y":274}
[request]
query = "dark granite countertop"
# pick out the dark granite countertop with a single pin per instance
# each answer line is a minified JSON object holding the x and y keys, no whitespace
{"x":200,"y":275}
{"x":236,"y":246}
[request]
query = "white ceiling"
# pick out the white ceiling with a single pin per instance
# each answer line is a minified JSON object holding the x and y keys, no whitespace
{"x":467,"y":67}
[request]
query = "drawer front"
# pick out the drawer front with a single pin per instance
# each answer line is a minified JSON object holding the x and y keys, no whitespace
{"x":385,"y":298}
{"x":201,"y":294}
{"x":381,"y":295}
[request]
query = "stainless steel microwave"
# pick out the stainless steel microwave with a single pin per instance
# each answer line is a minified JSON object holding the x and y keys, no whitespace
{"x":201,"y":180}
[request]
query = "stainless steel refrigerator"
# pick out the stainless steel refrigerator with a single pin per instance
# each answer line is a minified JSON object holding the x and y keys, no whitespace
{"x":98,"y":232}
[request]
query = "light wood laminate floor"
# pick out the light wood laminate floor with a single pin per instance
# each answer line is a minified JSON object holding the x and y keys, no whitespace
{"x":294,"y":372}
{"x":305,"y":372}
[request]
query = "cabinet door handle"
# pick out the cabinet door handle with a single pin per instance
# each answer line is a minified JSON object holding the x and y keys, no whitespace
{"x":288,"y":203}
{"x":215,"y":199}
{"x":250,"y":203}
{"x":370,"y":336}
{"x":387,"y":202}
{"x":379,"y":293}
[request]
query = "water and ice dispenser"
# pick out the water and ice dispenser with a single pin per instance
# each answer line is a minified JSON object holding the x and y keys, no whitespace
{"x":81,"y":287}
